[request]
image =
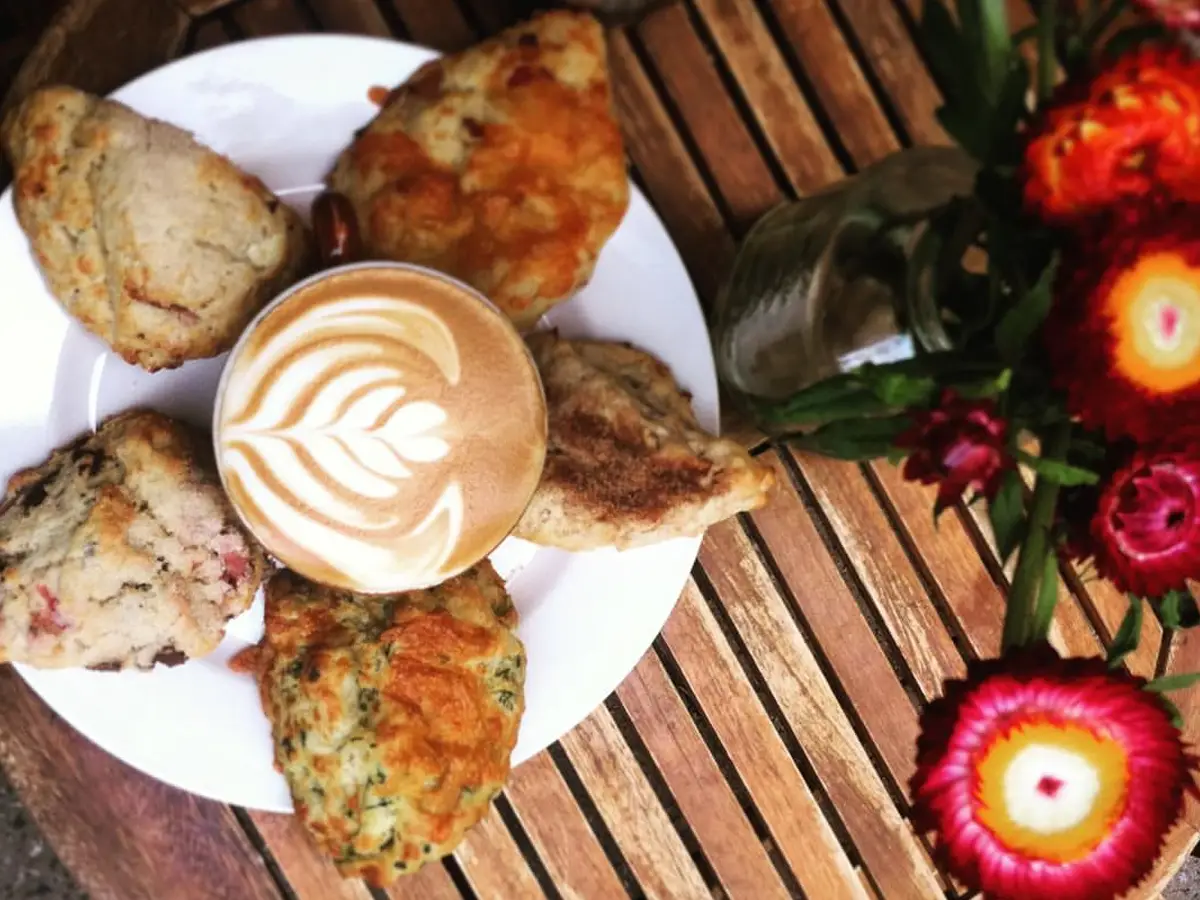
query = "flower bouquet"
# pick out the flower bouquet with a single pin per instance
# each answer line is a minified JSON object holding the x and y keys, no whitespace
{"x":1070,"y":406}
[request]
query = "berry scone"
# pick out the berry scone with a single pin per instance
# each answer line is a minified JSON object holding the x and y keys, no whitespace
{"x":121,"y":551}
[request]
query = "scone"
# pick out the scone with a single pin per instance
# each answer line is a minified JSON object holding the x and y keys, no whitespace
{"x":502,"y":165}
{"x":121,"y":551}
{"x":393,"y":716}
{"x":152,"y":241}
{"x":627,"y":464}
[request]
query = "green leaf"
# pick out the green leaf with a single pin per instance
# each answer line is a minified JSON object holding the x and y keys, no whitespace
{"x":897,"y":389}
{"x":1015,"y":332}
{"x":1172,"y":711}
{"x":1173,"y":682}
{"x":969,"y":130}
{"x":857,"y":440}
{"x":1127,"y":39}
{"x":1047,"y":597}
{"x":1011,"y":109}
{"x":987,"y":387}
{"x":799,"y":413}
{"x":1177,"y":609}
{"x":997,"y":40}
{"x":1057,"y":471}
{"x":1007,"y":512}
{"x":1125,"y":641}
{"x":949,"y":57}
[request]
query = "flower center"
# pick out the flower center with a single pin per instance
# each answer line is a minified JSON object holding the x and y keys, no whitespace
{"x":1051,"y":791}
{"x":1155,"y":308}
{"x":1154,"y":512}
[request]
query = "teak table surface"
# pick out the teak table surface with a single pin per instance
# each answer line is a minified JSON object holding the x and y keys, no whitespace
{"x":761,"y":749}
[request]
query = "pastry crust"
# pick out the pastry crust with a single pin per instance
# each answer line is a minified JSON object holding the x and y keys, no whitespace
{"x":393,"y":716}
{"x":152,"y":241}
{"x":121,"y":551}
{"x":502,"y":165}
{"x":627,"y":464}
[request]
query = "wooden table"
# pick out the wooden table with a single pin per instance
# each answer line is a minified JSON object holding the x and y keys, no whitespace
{"x":762,"y":747}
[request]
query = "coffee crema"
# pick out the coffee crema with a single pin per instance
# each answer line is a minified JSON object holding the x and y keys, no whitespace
{"x":380,"y":428}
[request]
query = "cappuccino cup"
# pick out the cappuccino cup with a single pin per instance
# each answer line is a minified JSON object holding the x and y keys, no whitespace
{"x":380,"y":427}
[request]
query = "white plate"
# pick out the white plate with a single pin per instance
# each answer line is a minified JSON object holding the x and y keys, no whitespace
{"x":282,"y":108}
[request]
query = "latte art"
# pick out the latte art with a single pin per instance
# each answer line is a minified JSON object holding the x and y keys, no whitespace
{"x":384,"y":439}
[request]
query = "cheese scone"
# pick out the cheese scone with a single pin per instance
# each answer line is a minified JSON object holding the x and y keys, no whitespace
{"x":627,"y":464}
{"x":151,"y":240}
{"x":121,"y":551}
{"x":393,"y":716}
{"x":502,"y":165}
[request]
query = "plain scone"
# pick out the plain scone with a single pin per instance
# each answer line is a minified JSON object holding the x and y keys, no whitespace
{"x":502,"y":165}
{"x":121,"y":550}
{"x":627,"y":463}
{"x":155,"y":243}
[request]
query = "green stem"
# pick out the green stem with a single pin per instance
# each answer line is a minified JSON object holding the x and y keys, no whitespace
{"x":1047,"y":58}
{"x":1019,"y":615}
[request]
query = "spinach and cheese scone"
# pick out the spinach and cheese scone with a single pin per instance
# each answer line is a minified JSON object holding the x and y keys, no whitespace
{"x":121,"y":550}
{"x":393,"y":716}
{"x":502,"y":165}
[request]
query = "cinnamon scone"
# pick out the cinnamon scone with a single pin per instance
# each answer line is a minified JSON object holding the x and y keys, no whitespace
{"x":627,"y":464}
{"x":162,"y":247}
{"x":502,"y":165}
{"x":393,"y":716}
{"x":121,"y":551}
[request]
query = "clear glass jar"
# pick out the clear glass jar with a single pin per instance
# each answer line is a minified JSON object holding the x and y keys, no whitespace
{"x":819,"y":284}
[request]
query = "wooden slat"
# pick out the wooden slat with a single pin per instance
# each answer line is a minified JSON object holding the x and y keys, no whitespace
{"x":887,"y":844}
{"x":122,"y":835}
{"x":709,"y":113}
{"x":831,"y":612}
{"x":836,"y":77}
{"x":310,"y":875}
{"x":765,"y":79}
{"x":787,"y":804}
{"x":881,"y":562}
{"x":440,"y":26}
{"x":263,"y":18}
{"x":893,"y":57}
{"x":662,"y":161}
{"x":350,"y":16}
{"x":703,"y":795}
{"x":429,"y":883}
{"x":627,"y":803}
{"x":493,"y":864}
{"x":209,"y":33}
{"x":560,"y":833}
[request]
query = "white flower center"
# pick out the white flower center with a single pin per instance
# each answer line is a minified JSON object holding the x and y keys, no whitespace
{"x":1048,"y":789}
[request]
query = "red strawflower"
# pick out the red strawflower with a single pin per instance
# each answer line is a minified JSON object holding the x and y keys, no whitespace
{"x":956,"y":445}
{"x":1123,"y":335}
{"x":1173,"y":13}
{"x":1049,"y":779}
{"x":1145,"y":533}
{"x":1133,"y":131}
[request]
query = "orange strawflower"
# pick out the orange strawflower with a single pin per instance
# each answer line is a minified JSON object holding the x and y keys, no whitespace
{"x":1133,"y":131}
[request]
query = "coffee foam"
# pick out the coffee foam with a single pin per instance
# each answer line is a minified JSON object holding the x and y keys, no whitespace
{"x":380,"y":429}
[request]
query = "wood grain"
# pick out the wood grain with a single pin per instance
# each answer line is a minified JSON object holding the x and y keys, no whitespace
{"x":787,"y":804}
{"x":561,"y":835}
{"x":264,"y":18}
{"x":696,"y":783}
{"x":350,"y":17}
{"x":440,"y":26}
{"x":429,"y":883}
{"x":630,"y":809}
{"x":786,"y":660}
{"x":493,"y":864}
{"x":311,"y":875}
{"x":883,"y":566}
{"x":122,"y":835}
{"x":831,"y":613}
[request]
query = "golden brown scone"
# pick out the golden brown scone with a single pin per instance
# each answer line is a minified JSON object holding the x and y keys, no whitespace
{"x":121,"y":551}
{"x":157,"y":244}
{"x":501,"y":165}
{"x":627,"y":463}
{"x":393,"y":716}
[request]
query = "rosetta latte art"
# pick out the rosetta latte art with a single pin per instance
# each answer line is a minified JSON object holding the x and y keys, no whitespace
{"x":328,"y":438}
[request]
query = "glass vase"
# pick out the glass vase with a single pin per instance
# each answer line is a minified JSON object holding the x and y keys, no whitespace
{"x":822,"y":285}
